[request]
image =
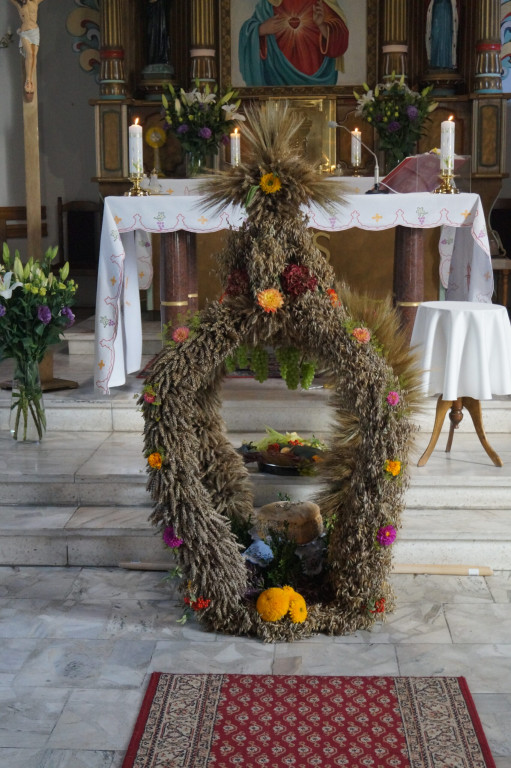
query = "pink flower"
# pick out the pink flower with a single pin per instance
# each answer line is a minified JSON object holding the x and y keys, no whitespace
{"x":170,"y":538}
{"x":149,"y":398}
{"x":181,"y":333}
{"x":363,"y":335}
{"x":386,"y":535}
{"x":393,"y":398}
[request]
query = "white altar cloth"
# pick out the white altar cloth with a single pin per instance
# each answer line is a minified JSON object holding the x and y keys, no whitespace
{"x":125,"y":254}
{"x":464,"y":349}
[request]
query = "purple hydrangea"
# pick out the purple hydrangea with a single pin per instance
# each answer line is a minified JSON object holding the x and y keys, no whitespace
{"x":205,"y":132}
{"x":66,"y":312}
{"x":2,"y":310}
{"x":386,"y":535}
{"x":170,"y":538}
{"x":412,"y":112}
{"x":184,"y":128}
{"x":394,"y":126}
{"x":44,"y":314}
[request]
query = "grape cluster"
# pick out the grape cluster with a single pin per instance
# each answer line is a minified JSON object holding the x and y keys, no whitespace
{"x":307,"y":372}
{"x":259,"y":363}
{"x":293,"y":370}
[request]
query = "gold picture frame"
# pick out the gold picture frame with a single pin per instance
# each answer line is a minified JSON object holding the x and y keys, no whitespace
{"x":362,"y":69}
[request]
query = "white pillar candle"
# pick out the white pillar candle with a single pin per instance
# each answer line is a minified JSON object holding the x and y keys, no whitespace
{"x":136,"y":149}
{"x":356,"y":148}
{"x":447,"y":131}
{"x":235,"y":147}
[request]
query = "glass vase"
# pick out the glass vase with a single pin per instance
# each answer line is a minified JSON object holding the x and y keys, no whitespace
{"x":194,"y":164}
{"x":27,"y":420}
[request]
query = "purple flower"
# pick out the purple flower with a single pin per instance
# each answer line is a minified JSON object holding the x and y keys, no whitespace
{"x":205,"y":132}
{"x":170,"y":538}
{"x":386,"y":535}
{"x":66,"y":312}
{"x":412,"y":112}
{"x":394,"y":126}
{"x":44,"y":314}
{"x":225,"y":139}
{"x":184,"y":128}
{"x":2,"y":310}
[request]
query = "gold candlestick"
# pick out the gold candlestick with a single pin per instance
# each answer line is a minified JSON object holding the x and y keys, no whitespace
{"x":447,"y":185}
{"x":136,"y":190}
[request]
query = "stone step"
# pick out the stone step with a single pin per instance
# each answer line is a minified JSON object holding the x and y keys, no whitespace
{"x":80,"y":338}
{"x":106,"y":536}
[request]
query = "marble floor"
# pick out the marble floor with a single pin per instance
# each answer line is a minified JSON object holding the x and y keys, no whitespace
{"x":78,"y":644}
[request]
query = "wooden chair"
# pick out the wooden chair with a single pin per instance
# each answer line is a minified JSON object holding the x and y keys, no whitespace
{"x":79,"y":231}
{"x":13,"y":223}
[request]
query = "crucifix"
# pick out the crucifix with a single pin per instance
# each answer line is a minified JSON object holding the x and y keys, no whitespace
{"x":29,"y":46}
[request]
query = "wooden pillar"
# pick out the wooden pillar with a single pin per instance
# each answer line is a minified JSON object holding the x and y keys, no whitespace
{"x":408,"y":275}
{"x":112,"y":76}
{"x":395,"y":42}
{"x":175,"y":250}
{"x":202,"y":48}
{"x":488,"y":78}
{"x":32,"y":170}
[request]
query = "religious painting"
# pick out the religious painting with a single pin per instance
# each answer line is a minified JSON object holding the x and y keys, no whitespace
{"x":303,"y":46}
{"x":505,"y":37}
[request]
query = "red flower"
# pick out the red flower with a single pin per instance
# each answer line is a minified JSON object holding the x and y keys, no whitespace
{"x":238,"y":283}
{"x":296,"y":280}
{"x":273,"y":448}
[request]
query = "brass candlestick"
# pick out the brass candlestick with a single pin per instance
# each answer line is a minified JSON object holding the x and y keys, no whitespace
{"x":136,"y":190}
{"x":447,"y":185}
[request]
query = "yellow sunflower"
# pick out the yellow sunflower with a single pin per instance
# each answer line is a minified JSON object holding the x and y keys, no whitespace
{"x":270,"y":300}
{"x":270,"y":183}
{"x":272,"y":604}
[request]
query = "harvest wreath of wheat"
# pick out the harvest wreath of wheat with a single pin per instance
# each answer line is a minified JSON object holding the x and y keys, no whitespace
{"x":279,"y":291}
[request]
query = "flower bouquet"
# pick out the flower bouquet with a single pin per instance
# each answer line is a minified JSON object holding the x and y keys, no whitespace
{"x":201,"y":121}
{"x":398,"y":114}
{"x":34,"y":311}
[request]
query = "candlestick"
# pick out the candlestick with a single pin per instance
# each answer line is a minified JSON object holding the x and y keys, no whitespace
{"x":447,"y":131}
{"x":235,"y":147}
{"x":136,"y":149}
{"x":356,"y":148}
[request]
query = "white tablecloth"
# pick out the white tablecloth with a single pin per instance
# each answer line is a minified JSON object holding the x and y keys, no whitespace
{"x":464,"y":349}
{"x":125,"y":256}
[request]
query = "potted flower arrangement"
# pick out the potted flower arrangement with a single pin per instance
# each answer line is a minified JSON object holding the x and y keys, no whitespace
{"x":34,"y":311}
{"x":201,"y":120}
{"x":398,"y":115}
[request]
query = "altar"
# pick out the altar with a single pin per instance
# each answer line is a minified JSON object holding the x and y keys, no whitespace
{"x":125,"y":261}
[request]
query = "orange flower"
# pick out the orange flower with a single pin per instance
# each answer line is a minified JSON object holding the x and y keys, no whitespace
{"x":222,"y":297}
{"x":270,"y":300}
{"x":154,"y":460}
{"x":363,"y":335}
{"x":333,"y":297}
{"x":393,"y":467}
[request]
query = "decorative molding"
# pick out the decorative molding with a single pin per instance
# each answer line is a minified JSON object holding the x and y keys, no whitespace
{"x":83,"y":25}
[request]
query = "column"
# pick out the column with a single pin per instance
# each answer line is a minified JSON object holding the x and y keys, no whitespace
{"x":395,"y":43}
{"x":112,"y":77}
{"x":175,"y":287}
{"x":408,"y":275}
{"x":487,"y":78}
{"x":202,"y":48}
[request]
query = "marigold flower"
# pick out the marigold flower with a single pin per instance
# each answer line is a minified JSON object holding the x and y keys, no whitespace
{"x":334,"y":298}
{"x":386,"y":535}
{"x":154,"y":460}
{"x":393,"y":398}
{"x":270,"y":300}
{"x":393,"y":467}
{"x":297,"y":609}
{"x":272,"y":604}
{"x":270,"y":183}
{"x":181,"y":333}
{"x":363,"y":335}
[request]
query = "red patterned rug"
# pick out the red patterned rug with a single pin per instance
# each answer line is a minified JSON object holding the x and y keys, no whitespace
{"x":280,"y":721}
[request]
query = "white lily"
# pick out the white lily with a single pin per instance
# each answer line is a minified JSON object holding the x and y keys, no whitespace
{"x":205,"y":98}
{"x":6,"y":288}
{"x":231,"y":114}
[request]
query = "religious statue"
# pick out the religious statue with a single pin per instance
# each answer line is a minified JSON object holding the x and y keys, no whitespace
{"x":293,"y":42}
{"x":442,"y":34}
{"x":158,"y":45}
{"x":29,"y":38}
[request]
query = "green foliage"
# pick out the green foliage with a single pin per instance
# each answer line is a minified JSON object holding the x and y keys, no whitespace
{"x":241,"y":527}
{"x":285,"y":566}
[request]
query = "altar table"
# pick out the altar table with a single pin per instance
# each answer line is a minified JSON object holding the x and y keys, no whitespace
{"x":125,"y":264}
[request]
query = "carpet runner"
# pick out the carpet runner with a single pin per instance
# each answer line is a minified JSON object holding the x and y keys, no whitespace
{"x":281,"y":721}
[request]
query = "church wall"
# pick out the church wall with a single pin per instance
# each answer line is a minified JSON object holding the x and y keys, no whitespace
{"x":66,"y":120}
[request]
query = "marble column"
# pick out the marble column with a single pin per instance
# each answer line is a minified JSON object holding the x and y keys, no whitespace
{"x":202,"y":48}
{"x":395,"y":43}
{"x":488,"y":78}
{"x":112,"y":75}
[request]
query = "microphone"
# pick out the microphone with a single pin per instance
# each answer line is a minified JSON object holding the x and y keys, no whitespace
{"x":376,"y":188}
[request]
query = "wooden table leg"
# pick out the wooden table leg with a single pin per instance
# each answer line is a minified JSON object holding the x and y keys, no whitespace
{"x":408,"y":274}
{"x":456,"y":417}
{"x":474,"y":408}
{"x":442,"y":406}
